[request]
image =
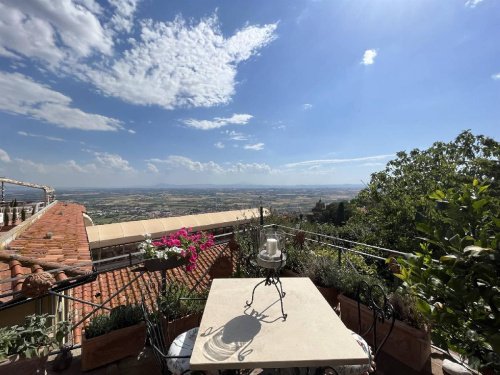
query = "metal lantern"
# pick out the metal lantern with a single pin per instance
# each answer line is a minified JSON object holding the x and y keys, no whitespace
{"x":272,"y":258}
{"x":271,"y":251}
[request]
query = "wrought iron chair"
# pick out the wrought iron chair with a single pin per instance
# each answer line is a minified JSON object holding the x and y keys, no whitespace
{"x":171,"y":353}
{"x":175,"y":359}
{"x":374,"y":297}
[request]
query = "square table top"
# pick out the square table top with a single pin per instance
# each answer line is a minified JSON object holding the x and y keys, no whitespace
{"x":233,"y":336}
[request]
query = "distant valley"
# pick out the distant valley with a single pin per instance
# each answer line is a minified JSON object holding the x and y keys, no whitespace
{"x":126,"y":204}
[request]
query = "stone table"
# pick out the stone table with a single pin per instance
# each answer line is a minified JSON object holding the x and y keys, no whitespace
{"x":234,"y":336}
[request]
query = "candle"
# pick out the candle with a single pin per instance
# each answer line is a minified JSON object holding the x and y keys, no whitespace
{"x":272,"y":246}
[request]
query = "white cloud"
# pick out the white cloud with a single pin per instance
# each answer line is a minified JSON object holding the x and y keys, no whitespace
{"x":54,"y":31}
{"x":4,"y":156}
{"x":218,"y":122}
{"x":251,"y":168}
{"x":123,"y":19}
{"x":26,"y":134}
{"x":472,"y":3}
{"x":152,"y":168}
{"x":306,"y":106}
{"x":169,"y":64}
{"x":236,"y":136}
{"x":91,"y":5}
{"x":219,"y":145}
{"x":27,"y":166}
{"x":336,"y":161}
{"x":180,"y":64}
{"x":369,"y":57}
{"x":131,"y":131}
{"x":255,"y":147}
{"x":496,"y":76}
{"x":104,"y":161}
{"x":211,"y":167}
{"x":176,"y":161}
{"x":372,"y":164}
{"x":75,"y":167}
{"x":23,"y":96}
{"x":113,"y":161}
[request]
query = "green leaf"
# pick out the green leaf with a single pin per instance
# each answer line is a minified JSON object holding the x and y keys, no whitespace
{"x":423,"y":306}
{"x":438,"y":194}
{"x":448,"y":258}
{"x":477,"y":205}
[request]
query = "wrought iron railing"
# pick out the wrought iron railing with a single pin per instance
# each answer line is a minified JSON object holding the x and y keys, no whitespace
{"x":89,"y":307}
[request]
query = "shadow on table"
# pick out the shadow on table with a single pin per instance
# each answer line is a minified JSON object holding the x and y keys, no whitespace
{"x":236,"y":335}
{"x":232,"y":337}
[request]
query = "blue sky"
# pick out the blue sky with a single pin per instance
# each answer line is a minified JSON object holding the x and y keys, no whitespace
{"x":136,"y":93}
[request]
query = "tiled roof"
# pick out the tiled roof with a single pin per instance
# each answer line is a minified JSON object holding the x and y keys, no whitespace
{"x":35,"y":250}
{"x":110,"y":282}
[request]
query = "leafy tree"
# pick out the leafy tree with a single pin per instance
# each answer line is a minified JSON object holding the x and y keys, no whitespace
{"x":456,"y":274}
{"x":334,"y":213}
{"x":23,"y":214}
{"x":384,"y":213}
{"x":340,"y":214}
{"x":14,"y":216}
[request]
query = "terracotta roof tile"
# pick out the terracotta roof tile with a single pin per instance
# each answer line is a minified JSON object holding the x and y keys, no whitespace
{"x":58,"y":238}
{"x":110,"y":282}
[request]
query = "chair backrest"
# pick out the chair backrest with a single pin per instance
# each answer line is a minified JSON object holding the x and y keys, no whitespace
{"x":382,"y":314}
{"x":155,"y":336}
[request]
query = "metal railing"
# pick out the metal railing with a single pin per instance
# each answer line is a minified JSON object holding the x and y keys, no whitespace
{"x":116,"y":263}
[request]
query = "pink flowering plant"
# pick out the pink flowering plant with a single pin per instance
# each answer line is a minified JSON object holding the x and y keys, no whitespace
{"x":181,"y":245}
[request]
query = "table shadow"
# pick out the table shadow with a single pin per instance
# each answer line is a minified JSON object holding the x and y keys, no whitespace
{"x":236,"y":335}
{"x":232,"y":337}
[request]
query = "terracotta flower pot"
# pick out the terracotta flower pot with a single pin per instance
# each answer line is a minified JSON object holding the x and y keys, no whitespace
{"x":16,"y":364}
{"x":330,"y":294}
{"x":409,"y":345}
{"x":113,"y":346}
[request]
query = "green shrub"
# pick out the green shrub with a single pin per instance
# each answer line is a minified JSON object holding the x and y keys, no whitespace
{"x":323,"y":271}
{"x":247,"y":238}
{"x":173,"y":306}
{"x":406,"y":310}
{"x":99,"y":325}
{"x":455,"y":276}
{"x":297,"y":255}
{"x":35,"y":338}
{"x":120,"y":317}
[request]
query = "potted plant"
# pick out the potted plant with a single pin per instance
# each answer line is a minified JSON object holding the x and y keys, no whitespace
{"x":324,"y":272}
{"x":178,"y":249}
{"x":109,"y":338}
{"x":24,"y":349}
{"x":181,"y":310}
{"x":297,"y":255}
{"x":409,"y":344}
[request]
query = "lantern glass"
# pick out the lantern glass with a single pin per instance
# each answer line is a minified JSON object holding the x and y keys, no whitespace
{"x":270,"y":242}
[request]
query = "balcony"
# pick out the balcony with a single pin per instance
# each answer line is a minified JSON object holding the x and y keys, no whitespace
{"x":85,"y":288}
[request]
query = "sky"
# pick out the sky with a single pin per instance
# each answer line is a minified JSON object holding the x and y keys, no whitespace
{"x":125,"y":93}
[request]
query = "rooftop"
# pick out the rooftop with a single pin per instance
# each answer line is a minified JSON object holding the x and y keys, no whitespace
{"x":56,"y":240}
